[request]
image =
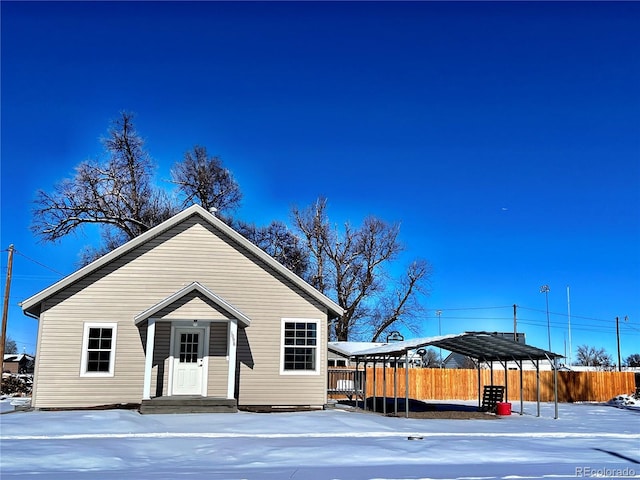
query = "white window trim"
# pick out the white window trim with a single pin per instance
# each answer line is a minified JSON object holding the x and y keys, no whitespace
{"x":85,"y":350}
{"x":318,"y":346}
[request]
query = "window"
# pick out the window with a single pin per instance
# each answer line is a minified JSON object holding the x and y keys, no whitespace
{"x":300,"y":350}
{"x":337,"y":363}
{"x":189,"y":347}
{"x":98,"y":350}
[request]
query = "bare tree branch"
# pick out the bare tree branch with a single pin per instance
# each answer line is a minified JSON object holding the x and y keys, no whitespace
{"x":203,"y":178}
{"x":117,"y":194}
{"x":350,"y":265}
{"x":279,"y":242}
{"x":403,"y":305}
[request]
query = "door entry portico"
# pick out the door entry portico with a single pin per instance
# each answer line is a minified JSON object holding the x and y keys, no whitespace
{"x":189,"y":354}
{"x":189,"y":367}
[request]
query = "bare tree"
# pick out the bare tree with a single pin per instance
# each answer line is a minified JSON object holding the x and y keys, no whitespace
{"x":350,"y":266}
{"x":202,"y":178}
{"x":313,"y":224}
{"x":10,"y":345}
{"x":593,"y":357}
{"x":401,"y":304}
{"x":431,"y":359}
{"x":468,"y":363}
{"x":633,"y":360}
{"x":279,"y":242}
{"x":116,"y":194}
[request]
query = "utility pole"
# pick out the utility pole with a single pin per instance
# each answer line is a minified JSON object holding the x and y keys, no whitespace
{"x":569,"y":322}
{"x":438,"y":313}
{"x":5,"y":309}
{"x":515,"y":324}
{"x":618,"y":336}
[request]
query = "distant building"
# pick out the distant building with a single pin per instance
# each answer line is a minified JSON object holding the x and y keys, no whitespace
{"x":17,"y":363}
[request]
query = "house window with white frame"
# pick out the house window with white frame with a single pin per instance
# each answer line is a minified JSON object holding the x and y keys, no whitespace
{"x":300,"y":350}
{"x":98,"y":349}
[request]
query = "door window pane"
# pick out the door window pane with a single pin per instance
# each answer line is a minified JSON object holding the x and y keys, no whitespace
{"x":189,"y":347}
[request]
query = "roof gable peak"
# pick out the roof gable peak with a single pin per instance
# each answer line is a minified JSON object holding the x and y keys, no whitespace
{"x":194,"y":286}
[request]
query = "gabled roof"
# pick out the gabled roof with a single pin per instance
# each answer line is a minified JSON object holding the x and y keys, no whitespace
{"x":17,"y":357}
{"x":31,"y":306}
{"x":194,"y":287}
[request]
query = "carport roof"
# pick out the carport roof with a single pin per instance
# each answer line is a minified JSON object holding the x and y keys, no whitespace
{"x":482,"y":346}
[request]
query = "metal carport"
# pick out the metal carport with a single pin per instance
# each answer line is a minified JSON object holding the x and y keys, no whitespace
{"x":484,"y":347}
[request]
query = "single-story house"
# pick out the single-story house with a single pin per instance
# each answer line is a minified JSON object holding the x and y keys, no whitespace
{"x":188,"y":310}
{"x":17,"y":363}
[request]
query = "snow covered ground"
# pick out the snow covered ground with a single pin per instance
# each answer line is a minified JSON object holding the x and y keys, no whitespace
{"x":588,"y":440}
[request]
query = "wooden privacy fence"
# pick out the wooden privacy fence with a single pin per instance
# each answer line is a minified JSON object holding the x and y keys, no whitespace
{"x":461,"y":384}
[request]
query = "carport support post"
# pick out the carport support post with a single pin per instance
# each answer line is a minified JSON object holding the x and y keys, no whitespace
{"x":395,"y":385}
{"x":491,"y":370}
{"x":521,"y":389}
{"x":538,"y":385}
{"x":384,"y":384}
{"x":406,"y":383}
{"x":555,"y":385}
{"x":364,"y":386}
{"x":356,"y":380}
{"x":479,"y":389}
{"x":506,"y":380}
{"x":374,"y":384}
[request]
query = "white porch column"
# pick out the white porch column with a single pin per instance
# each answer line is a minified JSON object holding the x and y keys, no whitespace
{"x":232,"y":342}
{"x":148,"y":361}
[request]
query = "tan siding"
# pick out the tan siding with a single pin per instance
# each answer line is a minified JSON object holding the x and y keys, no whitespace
{"x":190,"y":252}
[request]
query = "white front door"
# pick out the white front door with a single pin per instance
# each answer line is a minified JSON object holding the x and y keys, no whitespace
{"x":188,"y":362}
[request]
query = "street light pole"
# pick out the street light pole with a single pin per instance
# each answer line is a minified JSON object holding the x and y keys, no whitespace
{"x":545,"y":289}
{"x":618,"y":337}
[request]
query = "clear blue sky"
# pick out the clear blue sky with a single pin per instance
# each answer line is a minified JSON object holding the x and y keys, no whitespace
{"x":504,"y":136}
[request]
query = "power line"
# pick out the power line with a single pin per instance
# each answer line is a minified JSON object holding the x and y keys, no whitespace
{"x":474,"y":308}
{"x":598,"y":327}
{"x":564,"y":314}
{"x":39,"y":263}
{"x":582,"y":317}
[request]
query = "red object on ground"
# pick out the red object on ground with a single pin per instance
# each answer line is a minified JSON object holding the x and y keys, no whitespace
{"x":503,"y":408}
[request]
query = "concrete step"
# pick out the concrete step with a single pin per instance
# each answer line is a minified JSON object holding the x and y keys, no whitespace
{"x":189,"y":404}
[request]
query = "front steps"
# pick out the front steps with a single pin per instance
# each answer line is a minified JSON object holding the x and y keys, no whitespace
{"x":189,"y":404}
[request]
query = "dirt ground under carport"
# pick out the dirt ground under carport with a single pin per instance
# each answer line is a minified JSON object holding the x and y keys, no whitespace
{"x":420,"y":409}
